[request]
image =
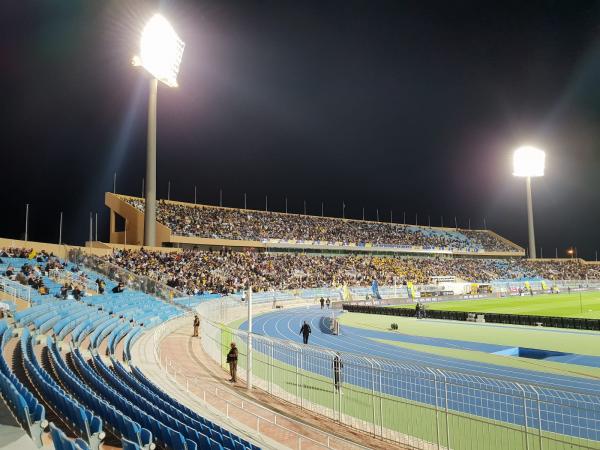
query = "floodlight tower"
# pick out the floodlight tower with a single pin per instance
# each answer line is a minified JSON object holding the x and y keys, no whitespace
{"x":160,"y":54}
{"x":529,"y":162}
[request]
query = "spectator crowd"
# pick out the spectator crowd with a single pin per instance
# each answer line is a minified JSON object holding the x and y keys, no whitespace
{"x":226,"y":271}
{"x":196,"y":272}
{"x":40,"y":265}
{"x":243,"y":224}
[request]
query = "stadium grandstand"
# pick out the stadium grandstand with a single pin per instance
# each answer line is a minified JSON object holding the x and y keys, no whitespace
{"x":92,"y":343}
{"x":65,"y":360}
{"x":186,"y":224}
{"x":97,"y":353}
{"x":224,"y":271}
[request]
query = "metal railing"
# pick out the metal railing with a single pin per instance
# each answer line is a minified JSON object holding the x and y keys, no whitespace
{"x":62,"y":275}
{"x":119,"y":274}
{"x":406,"y":402}
{"x":412,"y":404}
{"x":260,"y":419}
{"x":15,"y":289}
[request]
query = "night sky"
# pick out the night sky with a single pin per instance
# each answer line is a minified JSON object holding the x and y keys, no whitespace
{"x":403,"y":106}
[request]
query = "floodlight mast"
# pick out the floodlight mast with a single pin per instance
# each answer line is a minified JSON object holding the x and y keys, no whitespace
{"x":150,"y":194}
{"x":529,"y":162}
{"x":160,"y":54}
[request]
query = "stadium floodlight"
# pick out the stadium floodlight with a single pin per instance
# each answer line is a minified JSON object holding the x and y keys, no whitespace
{"x":161,"y":51}
{"x":529,"y":162}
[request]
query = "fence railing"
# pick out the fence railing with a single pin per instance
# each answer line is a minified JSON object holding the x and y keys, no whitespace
{"x":119,"y":274}
{"x":406,"y":402}
{"x":260,"y":419}
{"x":15,"y":289}
{"x":62,"y":275}
{"x":411,"y":404}
{"x":515,"y":319}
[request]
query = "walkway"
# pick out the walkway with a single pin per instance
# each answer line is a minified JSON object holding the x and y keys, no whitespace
{"x":278,"y":422}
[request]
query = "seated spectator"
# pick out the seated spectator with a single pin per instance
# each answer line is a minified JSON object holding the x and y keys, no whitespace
{"x":64,"y":291}
{"x":101,"y":285}
{"x":119,"y":288}
{"x":21,"y":278}
{"x":42,"y":289}
{"x":77,"y":293}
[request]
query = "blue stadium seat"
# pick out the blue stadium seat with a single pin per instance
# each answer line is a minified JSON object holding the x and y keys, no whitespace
{"x":122,"y":425}
{"x":62,"y":442}
{"x":214,"y":445}
{"x":83,"y":421}
{"x":25,"y":407}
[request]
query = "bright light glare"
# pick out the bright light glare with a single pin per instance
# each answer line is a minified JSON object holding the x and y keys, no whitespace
{"x":160,"y":50}
{"x":528,"y":162}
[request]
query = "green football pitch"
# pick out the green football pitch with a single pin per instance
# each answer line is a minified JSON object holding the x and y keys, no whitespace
{"x":577,"y":304}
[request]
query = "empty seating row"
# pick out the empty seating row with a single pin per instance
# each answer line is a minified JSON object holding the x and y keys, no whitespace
{"x":115,"y":337}
{"x":187,"y":417}
{"x":168,"y":432}
{"x":81,"y":420}
{"x":87,"y":326}
{"x":27,"y":316}
{"x":137,"y":373}
{"x":62,"y":442}
{"x":64,"y":326}
{"x":102,"y":331}
{"x":130,"y":339}
{"x":119,"y":423}
{"x":165,"y":435}
{"x":67,"y":313}
{"x":25,"y":407}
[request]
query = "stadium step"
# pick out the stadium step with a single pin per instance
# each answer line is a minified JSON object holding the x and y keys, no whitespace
{"x":12,"y":435}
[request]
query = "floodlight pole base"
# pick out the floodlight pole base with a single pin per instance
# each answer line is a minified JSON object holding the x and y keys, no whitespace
{"x":249,"y":349}
{"x":532,"y":254}
{"x":150,"y":209}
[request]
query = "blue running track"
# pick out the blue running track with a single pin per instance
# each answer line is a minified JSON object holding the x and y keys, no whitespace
{"x":567,"y":405}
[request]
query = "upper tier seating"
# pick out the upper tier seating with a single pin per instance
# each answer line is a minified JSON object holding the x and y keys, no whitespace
{"x":229,"y":223}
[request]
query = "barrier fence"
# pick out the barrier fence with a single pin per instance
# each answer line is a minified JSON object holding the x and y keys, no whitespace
{"x":404,"y":402}
{"x":15,"y":289}
{"x":279,"y":427}
{"x":515,"y":319}
{"x":119,"y":274}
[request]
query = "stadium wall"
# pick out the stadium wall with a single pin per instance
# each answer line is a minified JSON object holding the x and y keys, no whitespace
{"x":58,"y":250}
{"x":95,"y":248}
{"x":134,"y":222}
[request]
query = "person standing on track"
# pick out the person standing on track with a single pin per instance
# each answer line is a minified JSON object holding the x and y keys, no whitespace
{"x":328,"y":302}
{"x":196,"y":326}
{"x":337,"y":370}
{"x":322,"y":300}
{"x":305,"y":332}
{"x":232,"y":358}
